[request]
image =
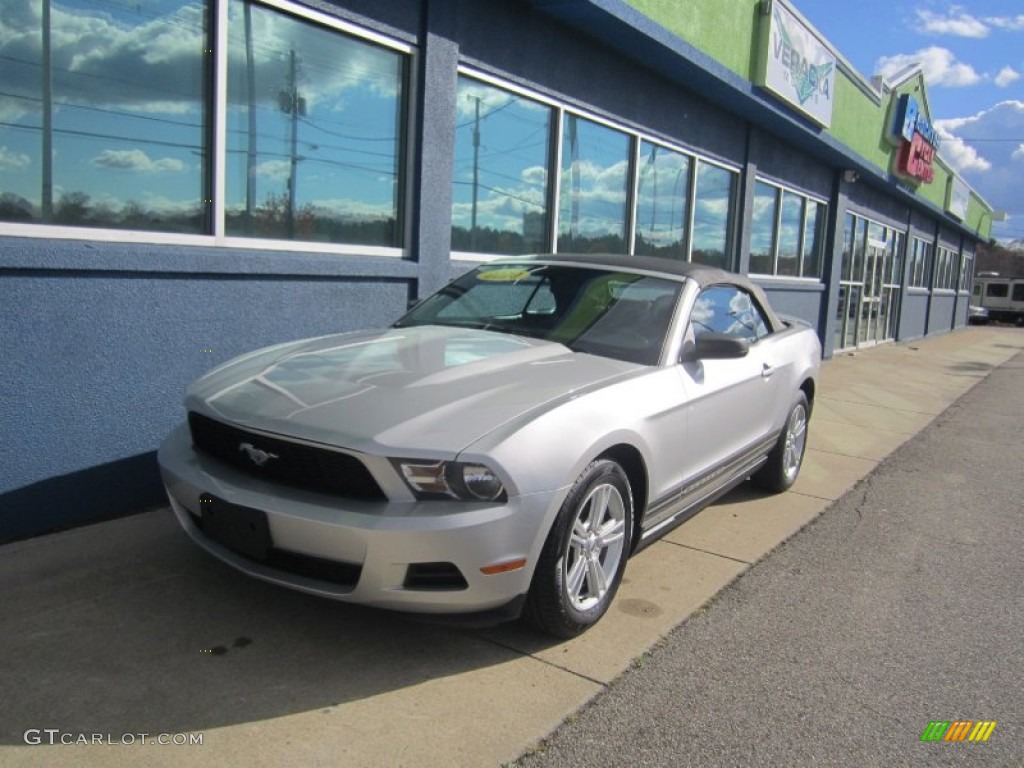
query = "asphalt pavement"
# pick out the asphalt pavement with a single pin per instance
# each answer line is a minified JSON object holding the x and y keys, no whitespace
{"x":899,"y":606}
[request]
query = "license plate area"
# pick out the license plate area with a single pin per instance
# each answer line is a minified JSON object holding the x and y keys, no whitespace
{"x":241,"y":529}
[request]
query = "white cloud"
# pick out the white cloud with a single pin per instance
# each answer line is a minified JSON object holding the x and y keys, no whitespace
{"x":135,"y":160}
{"x":274,"y":169}
{"x":995,"y":170}
{"x":12,"y":160}
{"x":359,"y":210}
{"x":940,"y":67}
{"x":957,"y":23}
{"x":1009,"y":23}
{"x":535,"y":176}
{"x":153,"y":63}
{"x":962,"y":157}
{"x":1006,"y":76}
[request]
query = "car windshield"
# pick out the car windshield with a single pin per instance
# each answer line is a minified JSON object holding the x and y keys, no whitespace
{"x":614,"y":314}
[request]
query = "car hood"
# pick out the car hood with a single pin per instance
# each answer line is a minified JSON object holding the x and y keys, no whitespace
{"x":422,"y":391}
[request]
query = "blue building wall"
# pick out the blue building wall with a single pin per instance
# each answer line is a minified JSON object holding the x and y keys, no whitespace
{"x":799,"y":299}
{"x":778,"y":160}
{"x":941,"y":313}
{"x":913,"y":315}
{"x":101,"y":339}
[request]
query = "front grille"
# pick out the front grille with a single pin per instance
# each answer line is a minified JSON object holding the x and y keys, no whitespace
{"x":292,"y":464}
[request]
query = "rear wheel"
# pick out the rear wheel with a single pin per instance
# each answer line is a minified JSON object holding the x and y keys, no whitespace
{"x":786,"y":458}
{"x":583,"y":559}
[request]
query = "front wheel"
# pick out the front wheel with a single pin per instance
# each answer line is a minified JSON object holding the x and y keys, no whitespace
{"x":584,"y":556}
{"x":786,"y":458}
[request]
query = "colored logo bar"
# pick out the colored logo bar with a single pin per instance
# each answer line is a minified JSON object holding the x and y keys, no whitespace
{"x":958,"y":730}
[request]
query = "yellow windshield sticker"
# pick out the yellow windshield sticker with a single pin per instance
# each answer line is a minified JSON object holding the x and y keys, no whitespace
{"x":509,"y":275}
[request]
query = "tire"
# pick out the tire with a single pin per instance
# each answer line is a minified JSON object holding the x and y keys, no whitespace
{"x":786,"y":458}
{"x":584,"y":556}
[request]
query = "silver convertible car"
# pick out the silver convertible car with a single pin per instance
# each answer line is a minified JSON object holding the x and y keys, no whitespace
{"x":504,"y":447}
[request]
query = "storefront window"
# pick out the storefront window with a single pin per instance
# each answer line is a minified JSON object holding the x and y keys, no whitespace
{"x":712,"y":212}
{"x":314,"y":131}
{"x":859,"y":244}
{"x":500,"y":185}
{"x":661,"y":207}
{"x":814,"y":240}
{"x":921,"y":264}
{"x":593,"y":200}
{"x":947,"y":269}
{"x":787,"y":233}
{"x":849,"y":228}
{"x":896,"y":276}
{"x":110,"y":130}
{"x":790,"y":228}
{"x":966,"y":272}
{"x":762,"y":229}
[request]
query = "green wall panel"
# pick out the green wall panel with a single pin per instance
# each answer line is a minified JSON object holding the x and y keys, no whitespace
{"x":723,"y":29}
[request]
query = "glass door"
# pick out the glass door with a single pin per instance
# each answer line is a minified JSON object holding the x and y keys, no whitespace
{"x":873,"y":315}
{"x":851,"y":282}
{"x":872,"y":263}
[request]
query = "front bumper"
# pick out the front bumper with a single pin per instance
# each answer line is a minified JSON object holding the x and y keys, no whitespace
{"x":376,"y":542}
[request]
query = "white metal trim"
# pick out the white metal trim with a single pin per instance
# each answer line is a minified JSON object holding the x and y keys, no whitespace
{"x":50,"y":232}
{"x":334,"y":22}
{"x":219,"y":104}
{"x":556,"y":185}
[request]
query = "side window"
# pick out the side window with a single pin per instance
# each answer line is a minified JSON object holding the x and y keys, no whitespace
{"x":729,"y":310}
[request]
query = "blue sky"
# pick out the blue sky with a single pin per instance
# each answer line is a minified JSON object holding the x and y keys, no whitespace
{"x":973,"y":59}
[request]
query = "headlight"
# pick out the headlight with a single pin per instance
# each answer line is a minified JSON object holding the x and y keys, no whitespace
{"x":451,"y":479}
{"x":478,"y":481}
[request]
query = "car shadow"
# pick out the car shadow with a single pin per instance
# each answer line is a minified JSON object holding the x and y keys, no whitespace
{"x":127,"y":627}
{"x":744,"y":492}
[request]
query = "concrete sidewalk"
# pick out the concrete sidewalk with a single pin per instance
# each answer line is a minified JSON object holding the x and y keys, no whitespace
{"x":126,"y":628}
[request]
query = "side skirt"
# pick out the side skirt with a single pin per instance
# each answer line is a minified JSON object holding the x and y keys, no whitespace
{"x":670,"y":511}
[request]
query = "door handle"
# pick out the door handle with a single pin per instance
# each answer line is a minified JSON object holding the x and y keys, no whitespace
{"x":766,"y":371}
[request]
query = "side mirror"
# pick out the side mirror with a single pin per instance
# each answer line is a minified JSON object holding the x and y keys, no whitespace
{"x":715,"y":346}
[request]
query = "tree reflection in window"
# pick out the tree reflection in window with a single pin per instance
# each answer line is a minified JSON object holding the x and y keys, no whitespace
{"x":118,"y":107}
{"x":712,"y":215}
{"x":662,"y":202}
{"x":593,"y":199}
{"x":314,"y":131}
{"x":500,"y":184}
{"x":762,"y":228}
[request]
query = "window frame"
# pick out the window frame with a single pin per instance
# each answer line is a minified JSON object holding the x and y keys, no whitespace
{"x":806,"y":199}
{"x":217,"y":37}
{"x":922,"y":253}
{"x":947,"y":274}
{"x":561,"y":107}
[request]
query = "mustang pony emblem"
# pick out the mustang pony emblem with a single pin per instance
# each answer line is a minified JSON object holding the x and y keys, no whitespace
{"x":259,"y":457}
